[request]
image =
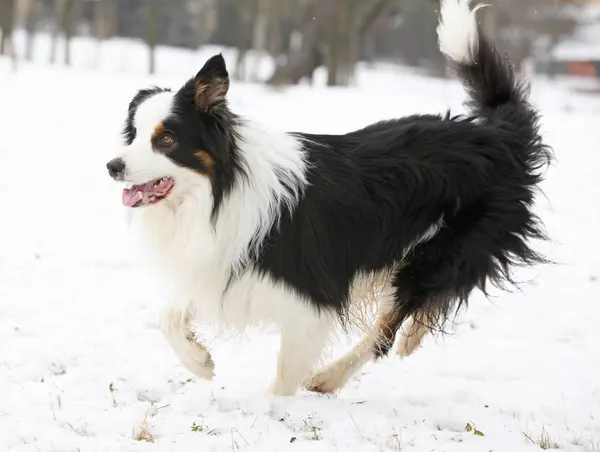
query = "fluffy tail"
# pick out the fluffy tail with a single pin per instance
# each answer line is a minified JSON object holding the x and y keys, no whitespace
{"x":488,"y":77}
{"x":495,"y":93}
{"x":434,"y":284}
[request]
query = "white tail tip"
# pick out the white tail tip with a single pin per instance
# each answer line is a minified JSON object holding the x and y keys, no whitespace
{"x":457,"y":31}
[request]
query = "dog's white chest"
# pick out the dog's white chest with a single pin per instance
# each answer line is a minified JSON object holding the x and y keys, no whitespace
{"x":181,"y":247}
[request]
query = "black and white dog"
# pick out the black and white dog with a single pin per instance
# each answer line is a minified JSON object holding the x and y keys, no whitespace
{"x":250,"y":225}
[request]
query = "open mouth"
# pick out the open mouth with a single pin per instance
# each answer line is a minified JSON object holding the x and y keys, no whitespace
{"x":149,"y":193}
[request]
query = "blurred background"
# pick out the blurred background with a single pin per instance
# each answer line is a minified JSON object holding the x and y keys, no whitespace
{"x":290,"y":39}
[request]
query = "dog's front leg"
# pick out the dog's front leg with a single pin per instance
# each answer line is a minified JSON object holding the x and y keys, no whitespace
{"x":175,"y":324}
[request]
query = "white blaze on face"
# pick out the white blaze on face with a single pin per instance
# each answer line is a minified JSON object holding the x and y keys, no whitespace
{"x":150,"y":113}
{"x":142,"y":163}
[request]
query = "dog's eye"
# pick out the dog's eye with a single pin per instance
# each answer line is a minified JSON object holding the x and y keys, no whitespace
{"x":167,"y":139}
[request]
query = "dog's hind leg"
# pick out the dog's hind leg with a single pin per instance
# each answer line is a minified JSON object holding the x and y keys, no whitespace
{"x":175,"y":324}
{"x":410,"y":336}
{"x":375,"y":344}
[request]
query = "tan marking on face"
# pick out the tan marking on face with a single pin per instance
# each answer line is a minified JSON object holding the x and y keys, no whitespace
{"x":158,"y":129}
{"x":207,"y":161}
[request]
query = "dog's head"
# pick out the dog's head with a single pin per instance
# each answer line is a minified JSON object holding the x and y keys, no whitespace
{"x":176,"y":141}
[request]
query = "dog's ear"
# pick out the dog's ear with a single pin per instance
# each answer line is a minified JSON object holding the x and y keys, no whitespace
{"x":212,"y":83}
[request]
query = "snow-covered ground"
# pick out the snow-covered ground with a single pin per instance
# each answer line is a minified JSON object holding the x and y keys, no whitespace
{"x":83,"y":366}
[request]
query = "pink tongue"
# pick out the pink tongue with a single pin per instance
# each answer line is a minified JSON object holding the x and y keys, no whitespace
{"x":140,"y":194}
{"x":132,"y":196}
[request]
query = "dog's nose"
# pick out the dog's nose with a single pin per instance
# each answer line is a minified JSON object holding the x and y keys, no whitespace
{"x":116,"y":168}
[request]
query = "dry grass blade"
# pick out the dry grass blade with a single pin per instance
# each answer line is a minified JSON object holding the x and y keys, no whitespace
{"x":144,"y":434}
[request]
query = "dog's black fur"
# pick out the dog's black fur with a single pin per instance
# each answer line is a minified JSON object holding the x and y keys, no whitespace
{"x":373,"y":192}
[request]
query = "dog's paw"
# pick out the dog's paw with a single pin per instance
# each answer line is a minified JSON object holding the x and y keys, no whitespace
{"x":323,"y":383}
{"x":203,"y":368}
{"x":198,"y":361}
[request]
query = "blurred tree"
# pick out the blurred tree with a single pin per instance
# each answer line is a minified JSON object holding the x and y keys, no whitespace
{"x":341,"y":45}
{"x":58,"y":7}
{"x":307,"y":54}
{"x":332,"y":31}
{"x":262,"y":10}
{"x":152,"y":33}
{"x":229,"y":27}
{"x":66,"y":19}
{"x":104,"y":22}
{"x":105,"y":18}
{"x":519,"y":25}
{"x":246,"y":10}
{"x":300,"y":35}
{"x":276,"y":17}
{"x":204,"y":15}
{"x":132,"y":18}
{"x":7,"y":25}
{"x":179,"y":23}
{"x":69,"y":15}
{"x":416,"y":40}
{"x":33,"y":13}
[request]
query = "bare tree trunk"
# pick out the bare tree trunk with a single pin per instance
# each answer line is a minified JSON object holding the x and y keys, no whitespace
{"x":105,"y":16}
{"x":240,"y":64}
{"x":59,"y":6}
{"x":333,"y":47}
{"x":32,"y":15}
{"x":246,"y":12}
{"x":98,"y":29}
{"x":317,"y":21}
{"x":341,"y":50}
{"x":68,"y":22}
{"x":303,"y":61}
{"x":259,"y":33}
{"x":206,"y":15}
{"x":7,"y":25}
{"x":370,"y":19}
{"x":274,"y":44}
{"x":152,"y":34}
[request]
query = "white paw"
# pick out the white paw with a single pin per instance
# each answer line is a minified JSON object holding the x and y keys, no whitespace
{"x":327,"y":381}
{"x":196,"y":358}
{"x":199,"y":362}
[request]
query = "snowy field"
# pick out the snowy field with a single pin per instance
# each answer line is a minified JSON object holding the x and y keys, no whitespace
{"x":83,"y":366}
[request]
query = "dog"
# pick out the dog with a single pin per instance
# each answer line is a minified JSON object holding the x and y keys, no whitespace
{"x":246,"y":225}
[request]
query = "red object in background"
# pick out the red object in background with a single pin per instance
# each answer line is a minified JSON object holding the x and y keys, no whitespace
{"x":583,"y":69}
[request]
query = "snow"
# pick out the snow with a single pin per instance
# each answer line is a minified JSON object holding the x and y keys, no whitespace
{"x":83,"y":366}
